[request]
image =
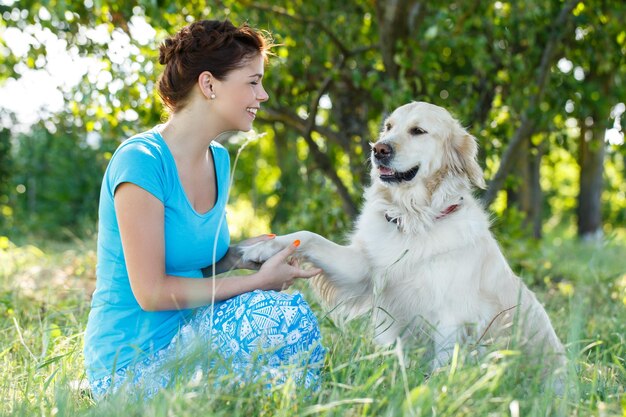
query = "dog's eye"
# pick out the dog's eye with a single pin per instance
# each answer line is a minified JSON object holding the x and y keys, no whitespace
{"x":417,"y":131}
{"x":388,"y":126}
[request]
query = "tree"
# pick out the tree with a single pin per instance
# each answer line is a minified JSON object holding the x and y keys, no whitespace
{"x":596,"y":49}
{"x":528,"y":118}
{"x":338,"y":68}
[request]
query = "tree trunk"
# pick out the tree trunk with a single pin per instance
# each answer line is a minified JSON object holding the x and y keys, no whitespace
{"x":524,"y":165}
{"x":517,"y":195}
{"x":527,"y":195}
{"x":535,"y":190}
{"x":591,"y":160}
{"x":5,"y":164}
{"x":396,"y":20}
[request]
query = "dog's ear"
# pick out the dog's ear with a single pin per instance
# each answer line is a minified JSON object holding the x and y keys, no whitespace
{"x":461,"y":153}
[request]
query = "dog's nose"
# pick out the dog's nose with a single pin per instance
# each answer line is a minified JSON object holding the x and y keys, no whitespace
{"x":382,"y":151}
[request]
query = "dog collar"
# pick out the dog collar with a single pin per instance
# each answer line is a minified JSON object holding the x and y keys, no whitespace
{"x":448,"y":210}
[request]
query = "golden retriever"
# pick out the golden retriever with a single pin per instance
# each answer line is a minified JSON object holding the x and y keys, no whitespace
{"x":421,"y":258}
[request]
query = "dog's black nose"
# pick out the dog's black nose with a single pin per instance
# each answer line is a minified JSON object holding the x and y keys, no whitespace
{"x":382,"y":151}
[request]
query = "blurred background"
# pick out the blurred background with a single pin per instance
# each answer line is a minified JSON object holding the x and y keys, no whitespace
{"x":540,"y":83}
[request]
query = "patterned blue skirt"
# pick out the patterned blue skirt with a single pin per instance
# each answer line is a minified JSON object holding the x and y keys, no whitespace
{"x":260,"y":334}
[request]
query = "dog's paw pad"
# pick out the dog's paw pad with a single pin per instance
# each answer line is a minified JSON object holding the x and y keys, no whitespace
{"x":260,"y":252}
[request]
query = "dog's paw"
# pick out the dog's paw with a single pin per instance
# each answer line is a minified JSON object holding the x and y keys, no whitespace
{"x":262,"y":251}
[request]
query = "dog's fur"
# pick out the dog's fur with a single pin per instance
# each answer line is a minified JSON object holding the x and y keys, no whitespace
{"x":421,"y":258}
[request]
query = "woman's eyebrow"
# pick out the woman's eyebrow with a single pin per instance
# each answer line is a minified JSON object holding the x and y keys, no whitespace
{"x":257,"y":75}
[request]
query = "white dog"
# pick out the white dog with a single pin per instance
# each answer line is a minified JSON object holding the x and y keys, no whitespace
{"x":421,"y":258}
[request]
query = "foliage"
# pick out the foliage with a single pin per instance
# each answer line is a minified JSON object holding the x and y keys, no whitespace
{"x":524,"y":85}
{"x":58,"y":175}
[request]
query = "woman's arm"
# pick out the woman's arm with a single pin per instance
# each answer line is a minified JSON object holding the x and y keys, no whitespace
{"x":140,"y":218}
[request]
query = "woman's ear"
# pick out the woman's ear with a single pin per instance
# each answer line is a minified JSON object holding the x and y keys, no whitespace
{"x":205,"y":82}
{"x":462,"y":156}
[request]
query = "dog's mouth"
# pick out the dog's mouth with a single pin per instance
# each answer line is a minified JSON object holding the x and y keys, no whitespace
{"x":389,"y":175}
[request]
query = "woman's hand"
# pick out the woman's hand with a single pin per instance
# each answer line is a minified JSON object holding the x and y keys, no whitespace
{"x":279,"y":272}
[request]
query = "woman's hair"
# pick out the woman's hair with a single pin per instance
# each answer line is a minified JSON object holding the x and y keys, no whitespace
{"x":206,"y":45}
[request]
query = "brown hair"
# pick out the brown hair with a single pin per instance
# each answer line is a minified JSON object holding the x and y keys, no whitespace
{"x":206,"y":45}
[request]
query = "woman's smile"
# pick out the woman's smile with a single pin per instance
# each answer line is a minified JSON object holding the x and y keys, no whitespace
{"x":252,"y":112}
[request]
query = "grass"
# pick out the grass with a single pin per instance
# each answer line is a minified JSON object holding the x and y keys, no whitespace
{"x":44,"y":302}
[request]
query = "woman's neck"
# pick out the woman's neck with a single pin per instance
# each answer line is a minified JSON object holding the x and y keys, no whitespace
{"x":189,"y":134}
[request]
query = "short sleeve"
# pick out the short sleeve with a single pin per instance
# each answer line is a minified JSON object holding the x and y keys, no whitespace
{"x":139,"y":163}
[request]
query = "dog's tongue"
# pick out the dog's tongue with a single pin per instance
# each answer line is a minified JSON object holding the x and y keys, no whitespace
{"x":386,"y":171}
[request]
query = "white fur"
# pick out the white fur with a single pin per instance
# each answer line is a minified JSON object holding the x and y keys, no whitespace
{"x":445,"y":278}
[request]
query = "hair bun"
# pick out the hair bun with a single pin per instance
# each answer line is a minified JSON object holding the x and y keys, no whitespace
{"x":166,"y":50}
{"x":212,"y":35}
{"x":206,"y":35}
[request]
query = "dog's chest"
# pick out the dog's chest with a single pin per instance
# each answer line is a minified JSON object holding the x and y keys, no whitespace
{"x":425,"y":276}
{"x":390,"y":249}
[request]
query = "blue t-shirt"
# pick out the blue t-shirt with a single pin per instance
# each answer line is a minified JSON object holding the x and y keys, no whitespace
{"x":119,"y":331}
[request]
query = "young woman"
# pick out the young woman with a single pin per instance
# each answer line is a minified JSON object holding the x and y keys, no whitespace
{"x":162,"y":221}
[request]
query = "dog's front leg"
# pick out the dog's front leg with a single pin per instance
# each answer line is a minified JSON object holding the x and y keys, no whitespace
{"x":342,"y":286}
{"x":341,"y":264}
{"x":445,"y":338}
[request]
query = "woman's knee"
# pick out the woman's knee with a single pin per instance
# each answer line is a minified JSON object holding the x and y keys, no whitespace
{"x":261,"y":319}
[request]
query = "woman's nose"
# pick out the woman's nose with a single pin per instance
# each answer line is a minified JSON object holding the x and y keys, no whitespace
{"x":263,"y":96}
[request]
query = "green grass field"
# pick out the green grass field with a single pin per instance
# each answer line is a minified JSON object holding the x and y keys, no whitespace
{"x":44,"y":300}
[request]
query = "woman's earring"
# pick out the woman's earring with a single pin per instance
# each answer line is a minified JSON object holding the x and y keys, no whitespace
{"x":212,"y":96}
